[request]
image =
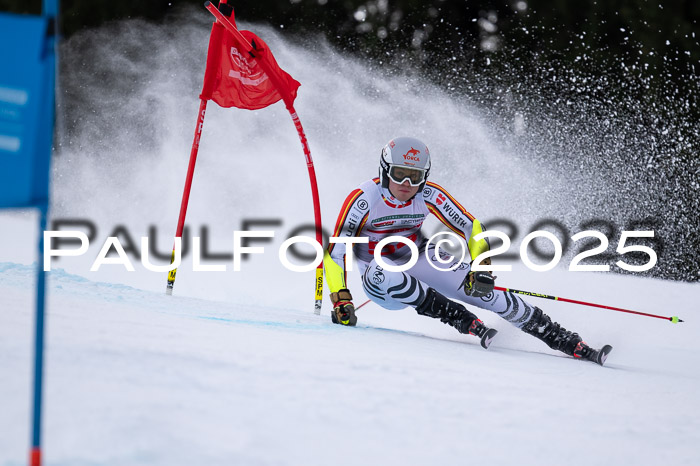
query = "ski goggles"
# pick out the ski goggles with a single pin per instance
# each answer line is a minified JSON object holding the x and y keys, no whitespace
{"x":399,"y":173}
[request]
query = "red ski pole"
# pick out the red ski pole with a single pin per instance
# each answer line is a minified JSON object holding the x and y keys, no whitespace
{"x":673,"y":319}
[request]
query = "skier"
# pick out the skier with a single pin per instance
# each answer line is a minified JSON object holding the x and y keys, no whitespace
{"x":396,"y":204}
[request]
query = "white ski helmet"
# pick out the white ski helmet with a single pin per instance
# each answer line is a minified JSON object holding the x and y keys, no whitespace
{"x":410,"y":157}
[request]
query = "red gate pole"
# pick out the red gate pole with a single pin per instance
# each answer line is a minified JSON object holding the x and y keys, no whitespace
{"x":188,"y":186}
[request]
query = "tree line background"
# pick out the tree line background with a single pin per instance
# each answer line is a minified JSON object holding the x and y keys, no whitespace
{"x":655,"y":42}
{"x":642,"y":53}
{"x":661,"y":30}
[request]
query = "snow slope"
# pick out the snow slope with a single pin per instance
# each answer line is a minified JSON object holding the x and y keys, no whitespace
{"x":136,"y":377}
{"x":235,"y":368}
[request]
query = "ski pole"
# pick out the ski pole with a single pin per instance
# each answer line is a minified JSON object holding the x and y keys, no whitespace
{"x":362,"y":305}
{"x":673,"y":319}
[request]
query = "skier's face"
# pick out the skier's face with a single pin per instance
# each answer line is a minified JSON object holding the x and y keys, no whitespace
{"x":403,"y":191}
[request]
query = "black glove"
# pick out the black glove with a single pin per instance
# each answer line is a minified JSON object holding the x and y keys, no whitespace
{"x":343,"y":309}
{"x":478,"y":284}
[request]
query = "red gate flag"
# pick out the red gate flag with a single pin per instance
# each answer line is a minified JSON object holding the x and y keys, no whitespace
{"x":241,"y":72}
{"x":235,"y":79}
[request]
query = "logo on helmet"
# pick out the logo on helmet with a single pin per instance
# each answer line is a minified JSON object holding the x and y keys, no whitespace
{"x":412,"y":155}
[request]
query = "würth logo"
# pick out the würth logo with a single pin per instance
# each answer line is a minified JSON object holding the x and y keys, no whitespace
{"x":412,"y":155}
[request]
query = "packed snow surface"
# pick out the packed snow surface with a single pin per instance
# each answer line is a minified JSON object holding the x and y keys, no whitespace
{"x":138,"y":377}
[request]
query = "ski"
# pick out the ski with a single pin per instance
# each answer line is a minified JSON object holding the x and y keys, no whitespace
{"x":593,"y":355}
{"x":602,"y":354}
{"x":487,"y":337}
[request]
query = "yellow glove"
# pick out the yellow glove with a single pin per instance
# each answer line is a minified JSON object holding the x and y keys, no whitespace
{"x":478,"y":284}
{"x":343,"y":309}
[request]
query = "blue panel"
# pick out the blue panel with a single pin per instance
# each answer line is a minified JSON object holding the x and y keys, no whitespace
{"x":26,"y":109}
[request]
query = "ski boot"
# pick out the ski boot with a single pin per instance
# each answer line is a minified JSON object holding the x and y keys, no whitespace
{"x":452,"y":313}
{"x":561,"y":339}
